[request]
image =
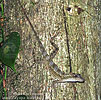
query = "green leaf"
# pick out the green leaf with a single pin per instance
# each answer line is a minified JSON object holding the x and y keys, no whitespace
{"x":10,"y":50}
{"x":1,"y":35}
{"x":2,"y":7}
{"x":1,"y":86}
{"x":0,"y":1}
{"x":1,"y":38}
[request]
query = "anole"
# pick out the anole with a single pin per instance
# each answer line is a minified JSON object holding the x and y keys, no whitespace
{"x":53,"y":68}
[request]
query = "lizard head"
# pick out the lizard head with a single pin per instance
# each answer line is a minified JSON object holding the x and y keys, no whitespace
{"x":72,"y":78}
{"x":77,"y":78}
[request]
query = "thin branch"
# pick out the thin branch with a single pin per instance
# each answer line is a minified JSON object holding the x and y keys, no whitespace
{"x":66,"y":27}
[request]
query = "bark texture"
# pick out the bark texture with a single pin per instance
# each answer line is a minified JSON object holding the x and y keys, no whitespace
{"x":33,"y":76}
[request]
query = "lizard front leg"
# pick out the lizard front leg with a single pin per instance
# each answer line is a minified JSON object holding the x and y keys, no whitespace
{"x":54,"y":52}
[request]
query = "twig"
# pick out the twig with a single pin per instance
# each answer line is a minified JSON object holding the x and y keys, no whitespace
{"x":66,"y":26}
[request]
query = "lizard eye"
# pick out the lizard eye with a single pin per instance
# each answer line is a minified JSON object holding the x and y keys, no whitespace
{"x":78,"y":75}
{"x":75,"y":75}
{"x":68,"y":8}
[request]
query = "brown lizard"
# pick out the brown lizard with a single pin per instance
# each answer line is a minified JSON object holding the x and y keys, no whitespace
{"x":53,"y":68}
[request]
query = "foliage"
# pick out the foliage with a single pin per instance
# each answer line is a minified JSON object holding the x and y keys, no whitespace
{"x":1,"y":86}
{"x":10,"y":49}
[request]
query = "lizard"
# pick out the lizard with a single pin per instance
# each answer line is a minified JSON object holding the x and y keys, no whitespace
{"x":53,"y":68}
